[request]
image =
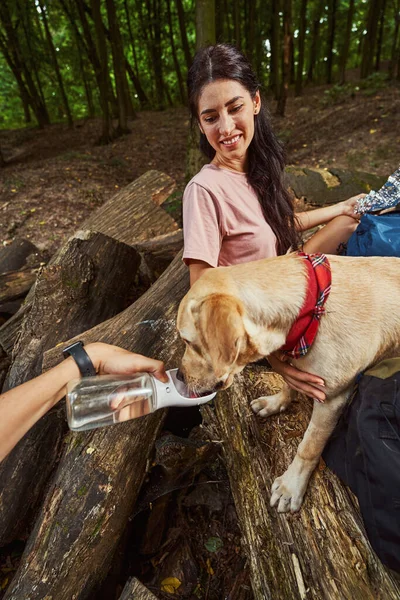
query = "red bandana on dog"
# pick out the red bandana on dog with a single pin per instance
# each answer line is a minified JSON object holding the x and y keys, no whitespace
{"x":305,"y":328}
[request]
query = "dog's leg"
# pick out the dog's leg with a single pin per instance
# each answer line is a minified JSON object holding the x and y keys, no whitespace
{"x":270,"y":405}
{"x":289,"y":489}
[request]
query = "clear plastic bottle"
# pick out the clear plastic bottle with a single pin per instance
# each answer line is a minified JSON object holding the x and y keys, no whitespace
{"x":108,"y":399}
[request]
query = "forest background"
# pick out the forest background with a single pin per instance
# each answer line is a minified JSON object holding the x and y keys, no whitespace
{"x":92,"y":92}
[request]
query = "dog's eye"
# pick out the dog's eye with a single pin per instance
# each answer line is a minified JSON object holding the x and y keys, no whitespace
{"x":186,"y":341}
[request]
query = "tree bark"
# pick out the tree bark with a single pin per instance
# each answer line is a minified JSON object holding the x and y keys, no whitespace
{"x":346,"y":45}
{"x":74,"y":292}
{"x":102,"y":73}
{"x":182,"y":27}
{"x":92,"y":495}
{"x":178,"y":71}
{"x":118,"y":57}
{"x":319,"y":10}
{"x":380,"y":36}
{"x":322,"y":552}
{"x":369,"y":41}
{"x":205,"y":23}
{"x":55,"y":63}
{"x":393,"y":53}
{"x":302,"y":38}
{"x":287,"y":35}
{"x":134,"y":213}
{"x":331,"y":38}
{"x":124,"y":216}
{"x":158,"y":253}
{"x":275,"y":49}
{"x":16,"y":284}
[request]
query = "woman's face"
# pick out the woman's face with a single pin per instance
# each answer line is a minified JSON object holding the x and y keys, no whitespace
{"x":226,"y":117}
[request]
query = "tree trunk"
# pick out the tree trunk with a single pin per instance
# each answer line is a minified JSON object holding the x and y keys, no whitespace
{"x":102,"y":73}
{"x":322,"y":553}
{"x":319,"y":10}
{"x":302,"y":37}
{"x":380,"y":36}
{"x":134,"y":73}
{"x":118,"y":57}
{"x":275,"y":49}
{"x":205,"y":23}
{"x":369,"y":40}
{"x":287,"y":34}
{"x":393,"y":54}
{"x":134,"y":590}
{"x":331,"y":38}
{"x":183,"y":30}
{"x":93,"y":492}
{"x":346,"y":45}
{"x":11,"y":48}
{"x":174,"y":55}
{"x":158,"y":253}
{"x":55,"y":63}
{"x":74,"y":292}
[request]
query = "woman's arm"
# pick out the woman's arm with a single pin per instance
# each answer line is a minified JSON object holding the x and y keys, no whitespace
{"x":196,"y":269}
{"x":319,"y":216}
{"x":22,"y":406}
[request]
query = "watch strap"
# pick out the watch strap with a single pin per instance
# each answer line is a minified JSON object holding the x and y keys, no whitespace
{"x":81,"y":357}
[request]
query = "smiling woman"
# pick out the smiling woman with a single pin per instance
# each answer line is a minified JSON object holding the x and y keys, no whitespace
{"x":237,"y":209}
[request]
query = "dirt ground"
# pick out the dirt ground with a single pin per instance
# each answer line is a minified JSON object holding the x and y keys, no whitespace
{"x":55,"y":177}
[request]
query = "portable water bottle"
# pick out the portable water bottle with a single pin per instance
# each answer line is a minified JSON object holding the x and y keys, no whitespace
{"x":107,"y":399}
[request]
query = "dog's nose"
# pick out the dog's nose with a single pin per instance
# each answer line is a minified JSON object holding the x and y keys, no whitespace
{"x":179,"y":376}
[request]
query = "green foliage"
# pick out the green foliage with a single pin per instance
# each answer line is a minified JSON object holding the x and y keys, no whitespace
{"x":140,"y":22}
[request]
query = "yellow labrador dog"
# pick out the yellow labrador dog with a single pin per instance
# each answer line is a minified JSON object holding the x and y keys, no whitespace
{"x":236,"y":315}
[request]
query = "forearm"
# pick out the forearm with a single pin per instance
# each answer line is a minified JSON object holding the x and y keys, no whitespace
{"x":22,"y":406}
{"x":319,"y":216}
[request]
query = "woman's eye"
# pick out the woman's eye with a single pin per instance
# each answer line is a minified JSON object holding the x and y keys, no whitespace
{"x":210,"y":119}
{"x":236,"y":108}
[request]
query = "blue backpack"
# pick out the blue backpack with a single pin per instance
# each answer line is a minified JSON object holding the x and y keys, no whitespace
{"x":376,"y":235}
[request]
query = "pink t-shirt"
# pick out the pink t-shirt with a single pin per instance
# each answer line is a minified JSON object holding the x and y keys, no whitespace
{"x":223,"y":223}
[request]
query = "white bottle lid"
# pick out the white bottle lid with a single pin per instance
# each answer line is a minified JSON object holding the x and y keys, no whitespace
{"x":167,"y":394}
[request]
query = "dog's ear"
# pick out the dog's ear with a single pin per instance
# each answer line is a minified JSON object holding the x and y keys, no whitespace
{"x":222,"y":330}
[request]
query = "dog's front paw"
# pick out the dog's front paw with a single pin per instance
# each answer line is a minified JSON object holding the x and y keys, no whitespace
{"x":288,"y":490}
{"x":270,"y":405}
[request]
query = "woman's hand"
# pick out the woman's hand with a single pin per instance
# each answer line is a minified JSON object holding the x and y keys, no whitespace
{"x":113,"y":360}
{"x":348,"y":206}
{"x":298,"y":380}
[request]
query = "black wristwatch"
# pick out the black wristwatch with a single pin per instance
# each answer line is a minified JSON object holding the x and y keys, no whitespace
{"x":82,"y":359}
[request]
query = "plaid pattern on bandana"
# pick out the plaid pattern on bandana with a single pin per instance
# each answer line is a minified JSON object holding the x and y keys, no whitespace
{"x":305,"y":328}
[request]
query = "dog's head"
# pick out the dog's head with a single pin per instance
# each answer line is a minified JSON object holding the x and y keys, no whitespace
{"x":217,"y":343}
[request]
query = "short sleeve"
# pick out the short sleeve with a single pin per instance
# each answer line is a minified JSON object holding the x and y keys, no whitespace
{"x":202,"y":230}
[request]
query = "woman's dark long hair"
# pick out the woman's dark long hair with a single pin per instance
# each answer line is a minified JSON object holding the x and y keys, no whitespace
{"x":265,"y":154}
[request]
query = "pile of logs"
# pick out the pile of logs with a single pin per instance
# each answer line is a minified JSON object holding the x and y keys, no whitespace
{"x":72,"y":496}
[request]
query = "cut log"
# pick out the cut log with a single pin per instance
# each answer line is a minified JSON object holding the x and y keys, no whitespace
{"x":134,"y":213}
{"x":75,"y":292}
{"x":134,"y":590}
{"x":328,"y":186}
{"x":320,"y":553}
{"x":93,"y":492}
{"x":19,"y":253}
{"x":157,"y":254}
{"x":16,"y":284}
{"x":126,"y":216}
{"x":132,"y":216}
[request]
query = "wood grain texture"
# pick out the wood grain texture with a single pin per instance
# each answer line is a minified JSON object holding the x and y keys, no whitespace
{"x":320,"y":553}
